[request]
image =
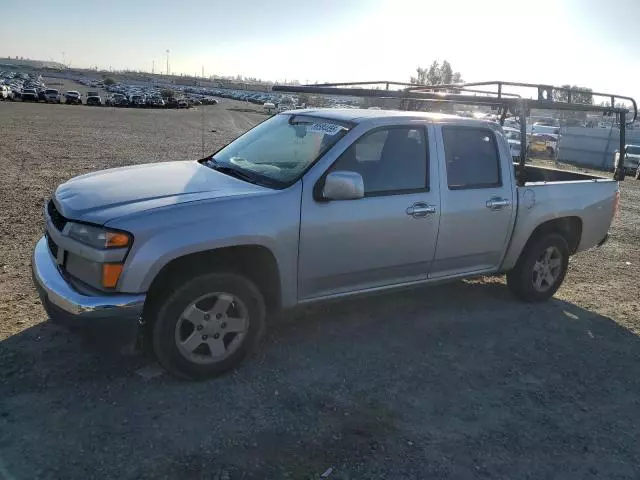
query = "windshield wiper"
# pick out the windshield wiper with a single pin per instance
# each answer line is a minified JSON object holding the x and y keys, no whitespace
{"x":232,"y":172}
{"x":241,"y":174}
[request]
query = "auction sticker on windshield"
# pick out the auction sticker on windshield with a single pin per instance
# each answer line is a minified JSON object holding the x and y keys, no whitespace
{"x":326,"y":128}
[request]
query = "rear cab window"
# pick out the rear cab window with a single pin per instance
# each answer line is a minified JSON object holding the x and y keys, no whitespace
{"x":472,"y":158}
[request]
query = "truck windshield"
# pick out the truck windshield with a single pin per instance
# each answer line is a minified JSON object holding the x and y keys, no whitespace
{"x":280,"y":149}
{"x":512,"y":135}
{"x":633,"y":150}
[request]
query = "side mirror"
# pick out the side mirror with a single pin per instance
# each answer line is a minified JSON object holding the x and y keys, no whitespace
{"x":343,"y":185}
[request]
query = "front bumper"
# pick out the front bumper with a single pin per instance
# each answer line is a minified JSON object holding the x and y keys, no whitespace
{"x":67,"y":306}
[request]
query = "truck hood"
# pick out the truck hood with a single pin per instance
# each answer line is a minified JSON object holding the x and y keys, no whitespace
{"x":108,"y":194}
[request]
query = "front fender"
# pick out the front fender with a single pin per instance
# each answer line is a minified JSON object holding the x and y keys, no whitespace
{"x":163,"y":235}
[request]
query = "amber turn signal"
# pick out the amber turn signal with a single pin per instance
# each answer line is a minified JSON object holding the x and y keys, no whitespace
{"x":117,"y":239}
{"x":110,"y":274}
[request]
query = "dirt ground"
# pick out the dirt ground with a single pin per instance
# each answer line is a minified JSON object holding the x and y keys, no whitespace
{"x":456,"y":381}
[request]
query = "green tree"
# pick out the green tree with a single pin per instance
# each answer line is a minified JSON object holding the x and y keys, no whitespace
{"x":109,"y":81}
{"x":436,"y":74}
{"x":167,"y":93}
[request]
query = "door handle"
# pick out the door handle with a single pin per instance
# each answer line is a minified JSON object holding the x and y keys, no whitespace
{"x":497,"y":203}
{"x":420,"y":209}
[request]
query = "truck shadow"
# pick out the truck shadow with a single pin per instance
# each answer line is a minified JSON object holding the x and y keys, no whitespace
{"x":454,"y":380}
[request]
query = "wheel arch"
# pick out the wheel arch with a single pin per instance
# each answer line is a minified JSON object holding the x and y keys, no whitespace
{"x":256,"y":262}
{"x":569,"y":227}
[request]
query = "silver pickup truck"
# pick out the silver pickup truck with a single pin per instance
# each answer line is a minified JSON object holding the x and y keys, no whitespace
{"x":308,"y":206}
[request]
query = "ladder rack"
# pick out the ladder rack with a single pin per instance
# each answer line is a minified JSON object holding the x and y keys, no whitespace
{"x":491,"y":94}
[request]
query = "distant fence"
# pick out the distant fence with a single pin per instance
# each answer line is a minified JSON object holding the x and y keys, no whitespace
{"x":592,"y":147}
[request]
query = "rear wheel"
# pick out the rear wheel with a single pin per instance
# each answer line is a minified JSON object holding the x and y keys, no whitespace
{"x":208,"y":325}
{"x":541,"y":268}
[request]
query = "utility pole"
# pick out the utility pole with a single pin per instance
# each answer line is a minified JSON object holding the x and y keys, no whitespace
{"x":202,"y":71}
{"x":63,"y":61}
{"x":153,"y":66}
{"x":167,"y":61}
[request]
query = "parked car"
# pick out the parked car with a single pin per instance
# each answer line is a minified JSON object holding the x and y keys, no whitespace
{"x":183,"y":103}
{"x":171,"y":102}
{"x":541,"y":128}
{"x":155,"y":102}
{"x":631,"y":158}
{"x":545,"y":143}
{"x":51,"y":95}
{"x":137,"y":100}
{"x":73,"y":97}
{"x":29,"y":95}
{"x":5,"y":93}
{"x":345,"y":202}
{"x":513,"y":138}
{"x":119,"y":100}
{"x":41,"y":95}
{"x":93,"y":98}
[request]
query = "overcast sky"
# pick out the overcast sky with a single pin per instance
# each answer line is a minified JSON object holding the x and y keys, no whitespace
{"x":586,"y":42}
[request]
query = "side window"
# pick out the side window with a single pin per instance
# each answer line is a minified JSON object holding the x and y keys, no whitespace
{"x":390,"y":160}
{"x":472,"y":159}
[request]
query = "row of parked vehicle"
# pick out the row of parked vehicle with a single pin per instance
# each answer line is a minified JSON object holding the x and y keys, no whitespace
{"x":145,"y":95}
{"x":12,"y":84}
{"x":46,"y":95}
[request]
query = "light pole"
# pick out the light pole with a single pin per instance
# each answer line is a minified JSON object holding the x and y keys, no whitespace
{"x":167,"y":61}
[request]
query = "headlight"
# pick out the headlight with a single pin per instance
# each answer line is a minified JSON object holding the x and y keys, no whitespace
{"x":98,"y":237}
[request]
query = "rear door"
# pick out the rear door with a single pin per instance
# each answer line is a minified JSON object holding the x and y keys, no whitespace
{"x":477,"y":197}
{"x":386,"y":238}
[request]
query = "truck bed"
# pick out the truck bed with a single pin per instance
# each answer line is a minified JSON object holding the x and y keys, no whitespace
{"x":588,"y":201}
{"x":535,"y":174}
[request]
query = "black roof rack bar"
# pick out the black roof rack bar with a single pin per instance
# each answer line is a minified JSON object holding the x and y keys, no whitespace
{"x":471,"y":90}
{"x":545,"y":93}
{"x":434,"y":92}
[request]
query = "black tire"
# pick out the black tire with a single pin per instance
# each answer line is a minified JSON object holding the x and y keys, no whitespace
{"x":521,"y":279}
{"x":165,"y":343}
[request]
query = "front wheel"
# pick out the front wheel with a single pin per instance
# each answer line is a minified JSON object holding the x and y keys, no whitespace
{"x":208,"y":325}
{"x":541,"y":269}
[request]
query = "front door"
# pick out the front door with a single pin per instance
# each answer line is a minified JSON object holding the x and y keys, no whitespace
{"x":477,"y":202}
{"x":387,"y":237}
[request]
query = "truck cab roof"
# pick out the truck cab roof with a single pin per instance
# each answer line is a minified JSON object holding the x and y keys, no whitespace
{"x":358,"y":115}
